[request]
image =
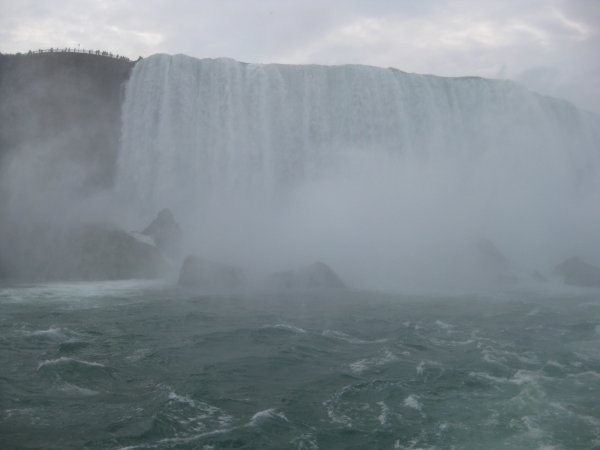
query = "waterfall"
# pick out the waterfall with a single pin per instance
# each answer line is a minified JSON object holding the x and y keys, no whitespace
{"x":346,"y":143}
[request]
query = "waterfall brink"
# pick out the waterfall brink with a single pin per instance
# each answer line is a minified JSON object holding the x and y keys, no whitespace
{"x":354,"y":162}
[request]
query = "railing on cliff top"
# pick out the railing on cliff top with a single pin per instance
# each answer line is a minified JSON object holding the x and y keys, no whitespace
{"x":79,"y":50}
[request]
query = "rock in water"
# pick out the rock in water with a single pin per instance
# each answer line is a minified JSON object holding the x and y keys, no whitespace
{"x":166,"y":233}
{"x":579,"y":273}
{"x":316,"y":275}
{"x":203,"y":273}
{"x":112,"y":254}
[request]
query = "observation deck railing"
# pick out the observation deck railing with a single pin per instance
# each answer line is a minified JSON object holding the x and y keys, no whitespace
{"x":78,"y":50}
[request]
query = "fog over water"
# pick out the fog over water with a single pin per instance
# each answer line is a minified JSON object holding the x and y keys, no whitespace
{"x":389,"y":177}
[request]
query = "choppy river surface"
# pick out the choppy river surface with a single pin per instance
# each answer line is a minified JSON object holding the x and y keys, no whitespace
{"x":145,"y":365}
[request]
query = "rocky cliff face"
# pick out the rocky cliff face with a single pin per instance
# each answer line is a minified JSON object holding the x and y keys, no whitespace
{"x":66,"y":106}
{"x":60,"y":122}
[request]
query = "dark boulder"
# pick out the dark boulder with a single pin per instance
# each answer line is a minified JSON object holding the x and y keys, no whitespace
{"x":166,"y":234}
{"x":199,"y":272}
{"x":103,"y":253}
{"x":92,"y":252}
{"x":579,"y":273}
{"x":316,"y":275}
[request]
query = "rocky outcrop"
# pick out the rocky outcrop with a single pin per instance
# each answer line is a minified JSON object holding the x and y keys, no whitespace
{"x":60,"y":124}
{"x":66,"y":107}
{"x":112,"y":254}
{"x":199,"y":272}
{"x":165,"y":233}
{"x":316,"y":275}
{"x":83,"y":253}
{"x":579,"y":273}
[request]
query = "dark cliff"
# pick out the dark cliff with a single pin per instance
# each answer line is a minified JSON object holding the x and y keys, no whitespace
{"x":60,"y":121}
{"x":68,"y":102}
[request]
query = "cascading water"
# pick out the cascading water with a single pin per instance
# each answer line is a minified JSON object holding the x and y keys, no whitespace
{"x":352,"y":162}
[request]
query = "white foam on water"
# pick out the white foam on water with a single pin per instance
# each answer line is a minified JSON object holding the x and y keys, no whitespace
{"x":138,"y":354}
{"x":160,"y":444}
{"x":502,"y":357}
{"x":72,"y":388}
{"x":412,"y":446}
{"x":332,"y":408}
{"x":382,"y":358}
{"x":423,"y":365}
{"x":587,"y":374}
{"x":284,"y":326}
{"x":52,"y":333}
{"x":521,"y":377}
{"x":444,"y":325}
{"x":202,"y":412}
{"x":346,"y":337}
{"x":267,"y":414}
{"x":80,"y":291}
{"x":444,"y":343}
{"x":64,"y":359}
{"x":412,"y":402}
{"x":385,"y":413}
{"x":305,"y":442}
{"x":556,"y":364}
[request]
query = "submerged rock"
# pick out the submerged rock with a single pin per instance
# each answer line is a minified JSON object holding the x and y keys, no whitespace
{"x":166,"y":233}
{"x":203,"y":273}
{"x":104,"y":253}
{"x":316,"y":275}
{"x":579,"y":273}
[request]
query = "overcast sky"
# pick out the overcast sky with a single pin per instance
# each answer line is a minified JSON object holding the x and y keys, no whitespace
{"x":551,"y":46}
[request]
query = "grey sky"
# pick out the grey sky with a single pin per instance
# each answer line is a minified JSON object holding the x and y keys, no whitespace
{"x":551,"y":46}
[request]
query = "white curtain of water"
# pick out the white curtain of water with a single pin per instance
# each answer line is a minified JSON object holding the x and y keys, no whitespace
{"x":359,"y":156}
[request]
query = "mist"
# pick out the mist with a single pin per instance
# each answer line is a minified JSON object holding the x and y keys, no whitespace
{"x":392,"y":179}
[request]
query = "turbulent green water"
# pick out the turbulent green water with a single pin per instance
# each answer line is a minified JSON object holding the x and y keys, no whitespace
{"x":150,"y":366}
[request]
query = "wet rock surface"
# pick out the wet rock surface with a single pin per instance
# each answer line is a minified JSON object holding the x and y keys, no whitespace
{"x":165,"y":233}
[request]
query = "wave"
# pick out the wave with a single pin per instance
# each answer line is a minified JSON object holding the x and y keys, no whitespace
{"x":64,"y":360}
{"x":346,"y":337}
{"x":383,"y":357}
{"x":267,"y":414}
{"x":412,"y":402}
{"x":520,"y":378}
{"x":283,"y":326}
